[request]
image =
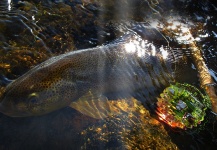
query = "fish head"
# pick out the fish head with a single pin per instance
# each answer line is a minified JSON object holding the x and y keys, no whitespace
{"x":39,"y":91}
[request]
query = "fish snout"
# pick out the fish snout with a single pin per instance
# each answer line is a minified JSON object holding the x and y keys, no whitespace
{"x":5,"y":110}
{"x":2,"y":109}
{"x":10,"y":110}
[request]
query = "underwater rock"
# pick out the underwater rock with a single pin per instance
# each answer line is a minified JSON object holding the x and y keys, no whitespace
{"x":42,"y":32}
{"x":131,"y":128}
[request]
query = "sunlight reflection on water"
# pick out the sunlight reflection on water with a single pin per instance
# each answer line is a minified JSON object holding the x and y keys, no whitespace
{"x":9,"y":5}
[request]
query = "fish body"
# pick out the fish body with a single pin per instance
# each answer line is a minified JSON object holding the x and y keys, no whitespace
{"x":119,"y":69}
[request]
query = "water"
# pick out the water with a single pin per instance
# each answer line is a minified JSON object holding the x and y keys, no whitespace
{"x":31,"y":32}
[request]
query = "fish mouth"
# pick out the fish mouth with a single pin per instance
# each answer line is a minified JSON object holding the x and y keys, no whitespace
{"x":2,"y":93}
{"x":4,"y":110}
{"x":12,"y":112}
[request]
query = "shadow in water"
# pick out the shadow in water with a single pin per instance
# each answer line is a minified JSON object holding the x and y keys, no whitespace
{"x":57,"y":130}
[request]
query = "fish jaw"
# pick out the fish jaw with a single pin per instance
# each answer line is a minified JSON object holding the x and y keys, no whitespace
{"x":9,"y":109}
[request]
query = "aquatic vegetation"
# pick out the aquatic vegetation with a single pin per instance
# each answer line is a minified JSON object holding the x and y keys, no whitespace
{"x":182,"y":106}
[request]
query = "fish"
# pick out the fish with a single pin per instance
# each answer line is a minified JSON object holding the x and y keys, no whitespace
{"x":87,"y":79}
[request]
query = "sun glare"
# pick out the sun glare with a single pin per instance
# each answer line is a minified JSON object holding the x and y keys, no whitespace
{"x":130,"y":47}
{"x":9,"y":4}
{"x":143,"y":47}
{"x":164,"y":52}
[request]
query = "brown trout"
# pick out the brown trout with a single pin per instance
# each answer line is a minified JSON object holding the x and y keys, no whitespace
{"x":117,"y":70}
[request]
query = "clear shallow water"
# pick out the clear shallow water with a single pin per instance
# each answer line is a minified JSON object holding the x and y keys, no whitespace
{"x":37,"y":39}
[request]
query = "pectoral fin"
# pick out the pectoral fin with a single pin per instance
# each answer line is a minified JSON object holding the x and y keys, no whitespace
{"x":93,"y":104}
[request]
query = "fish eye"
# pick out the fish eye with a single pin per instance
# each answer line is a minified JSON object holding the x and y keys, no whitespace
{"x":33,"y":98}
